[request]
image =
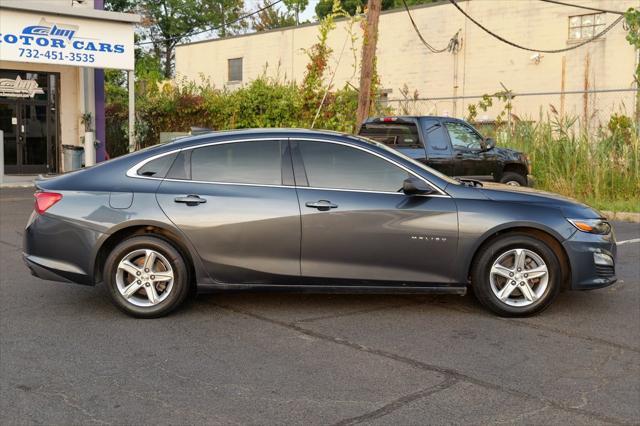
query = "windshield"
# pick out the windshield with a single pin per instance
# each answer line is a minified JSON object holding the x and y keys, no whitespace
{"x":423,"y":166}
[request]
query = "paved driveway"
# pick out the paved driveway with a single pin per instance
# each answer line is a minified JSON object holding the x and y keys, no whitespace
{"x":67,"y":356}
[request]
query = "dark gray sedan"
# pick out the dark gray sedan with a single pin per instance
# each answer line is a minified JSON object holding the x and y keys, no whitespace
{"x":307,"y":211}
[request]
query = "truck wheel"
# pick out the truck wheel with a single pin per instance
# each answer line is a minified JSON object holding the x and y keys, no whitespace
{"x":516,"y":275}
{"x":513,"y":179}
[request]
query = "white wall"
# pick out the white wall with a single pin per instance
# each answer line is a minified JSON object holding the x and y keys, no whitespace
{"x":483,"y":61}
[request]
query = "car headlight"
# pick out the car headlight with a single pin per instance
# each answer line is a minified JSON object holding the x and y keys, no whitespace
{"x":592,"y":226}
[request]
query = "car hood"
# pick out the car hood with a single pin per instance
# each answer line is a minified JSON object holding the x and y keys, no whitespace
{"x":569,"y":207}
{"x":507,"y":153}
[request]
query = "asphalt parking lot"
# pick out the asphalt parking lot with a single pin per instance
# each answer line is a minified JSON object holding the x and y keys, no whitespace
{"x":68,"y":356}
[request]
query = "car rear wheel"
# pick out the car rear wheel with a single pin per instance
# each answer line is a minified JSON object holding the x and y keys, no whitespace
{"x":513,"y":179}
{"x":146,"y":276}
{"x":516,"y":275}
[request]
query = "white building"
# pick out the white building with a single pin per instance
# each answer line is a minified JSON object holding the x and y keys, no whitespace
{"x":52,"y":57}
{"x":590,"y":81}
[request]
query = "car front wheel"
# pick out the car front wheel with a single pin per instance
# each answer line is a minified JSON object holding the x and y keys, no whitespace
{"x":516,"y":275}
{"x":146,"y":276}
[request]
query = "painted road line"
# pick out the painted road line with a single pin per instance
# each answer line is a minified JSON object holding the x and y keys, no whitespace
{"x":635,"y":240}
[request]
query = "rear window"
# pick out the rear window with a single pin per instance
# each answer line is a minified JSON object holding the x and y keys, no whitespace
{"x":157,"y":168}
{"x":395,"y":135}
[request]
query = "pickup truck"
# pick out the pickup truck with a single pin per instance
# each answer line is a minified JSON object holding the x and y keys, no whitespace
{"x":451,"y":146}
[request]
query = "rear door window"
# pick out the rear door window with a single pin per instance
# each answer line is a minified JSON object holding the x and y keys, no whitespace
{"x":254,"y":162}
{"x":437,"y":142}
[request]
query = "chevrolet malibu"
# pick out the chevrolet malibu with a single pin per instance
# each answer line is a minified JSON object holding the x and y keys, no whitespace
{"x":309,"y":211}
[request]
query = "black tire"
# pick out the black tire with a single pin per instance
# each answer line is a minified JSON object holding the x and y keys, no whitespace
{"x":177,"y":294}
{"x":513,"y":178}
{"x":480,"y":274}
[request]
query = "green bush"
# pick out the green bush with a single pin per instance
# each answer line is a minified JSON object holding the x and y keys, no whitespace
{"x":265,"y":102}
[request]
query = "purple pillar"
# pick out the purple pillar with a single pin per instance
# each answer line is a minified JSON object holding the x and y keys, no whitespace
{"x":99,"y":97}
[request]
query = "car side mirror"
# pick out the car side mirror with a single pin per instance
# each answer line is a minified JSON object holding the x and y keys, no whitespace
{"x":415,"y":186}
{"x":489,"y":143}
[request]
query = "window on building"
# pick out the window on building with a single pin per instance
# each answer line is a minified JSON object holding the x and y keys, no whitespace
{"x":234,"y":69}
{"x":583,"y":27}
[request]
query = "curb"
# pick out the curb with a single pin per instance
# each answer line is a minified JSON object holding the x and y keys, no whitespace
{"x":622,"y":216}
{"x":16,"y":185}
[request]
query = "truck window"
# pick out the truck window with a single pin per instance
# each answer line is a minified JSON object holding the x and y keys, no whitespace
{"x":394,"y":135}
{"x":436,"y":139}
{"x":464,"y":137}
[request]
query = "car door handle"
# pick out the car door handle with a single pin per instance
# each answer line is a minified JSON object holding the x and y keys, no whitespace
{"x":322,"y":205}
{"x":190,"y":200}
{"x":459,"y":155}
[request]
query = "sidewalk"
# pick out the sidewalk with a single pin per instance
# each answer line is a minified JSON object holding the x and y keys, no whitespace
{"x":17,"y":181}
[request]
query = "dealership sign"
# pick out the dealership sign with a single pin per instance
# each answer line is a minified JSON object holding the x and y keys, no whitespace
{"x":29,"y":37}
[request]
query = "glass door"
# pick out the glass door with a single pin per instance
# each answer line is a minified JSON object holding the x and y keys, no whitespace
{"x":9,"y":127}
{"x":33,"y":138}
{"x":29,"y":120}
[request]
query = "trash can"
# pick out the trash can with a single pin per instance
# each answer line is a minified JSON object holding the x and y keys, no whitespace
{"x":72,"y":157}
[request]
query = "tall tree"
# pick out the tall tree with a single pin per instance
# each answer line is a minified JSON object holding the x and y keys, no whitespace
{"x":166,"y":23}
{"x":296,"y":7}
{"x":272,"y":17}
{"x":323,"y":8}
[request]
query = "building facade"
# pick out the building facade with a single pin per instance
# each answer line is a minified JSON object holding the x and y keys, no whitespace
{"x":52,"y":57}
{"x":590,"y":81}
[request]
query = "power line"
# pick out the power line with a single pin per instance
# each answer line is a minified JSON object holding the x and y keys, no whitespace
{"x":451,"y":47}
{"x":510,"y":43}
{"x":248,"y":15}
{"x":617,"y":12}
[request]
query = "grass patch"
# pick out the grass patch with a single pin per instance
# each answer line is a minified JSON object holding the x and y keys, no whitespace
{"x":600,"y":169}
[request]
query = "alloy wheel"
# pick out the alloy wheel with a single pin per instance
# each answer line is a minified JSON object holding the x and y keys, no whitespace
{"x":519,"y":277}
{"x":144,"y":277}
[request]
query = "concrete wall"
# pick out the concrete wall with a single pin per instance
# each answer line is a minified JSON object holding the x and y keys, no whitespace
{"x":482,"y":63}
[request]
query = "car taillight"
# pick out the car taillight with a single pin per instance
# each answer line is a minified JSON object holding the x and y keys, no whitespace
{"x":44,"y":200}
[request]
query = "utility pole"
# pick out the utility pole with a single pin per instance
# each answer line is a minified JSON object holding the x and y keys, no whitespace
{"x":368,"y":56}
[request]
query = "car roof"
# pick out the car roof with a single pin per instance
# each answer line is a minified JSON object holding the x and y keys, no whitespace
{"x":248,"y":133}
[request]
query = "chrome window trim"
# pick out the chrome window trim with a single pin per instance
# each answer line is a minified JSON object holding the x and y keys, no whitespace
{"x":133,"y":171}
{"x":267,"y":185}
{"x":373,"y":192}
{"x":296,"y":187}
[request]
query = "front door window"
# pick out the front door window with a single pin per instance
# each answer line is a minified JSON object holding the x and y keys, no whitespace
{"x":330,"y":165}
{"x":464,"y":138}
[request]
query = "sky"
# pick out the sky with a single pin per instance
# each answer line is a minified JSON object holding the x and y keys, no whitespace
{"x":309,"y":13}
{"x":252,"y":5}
